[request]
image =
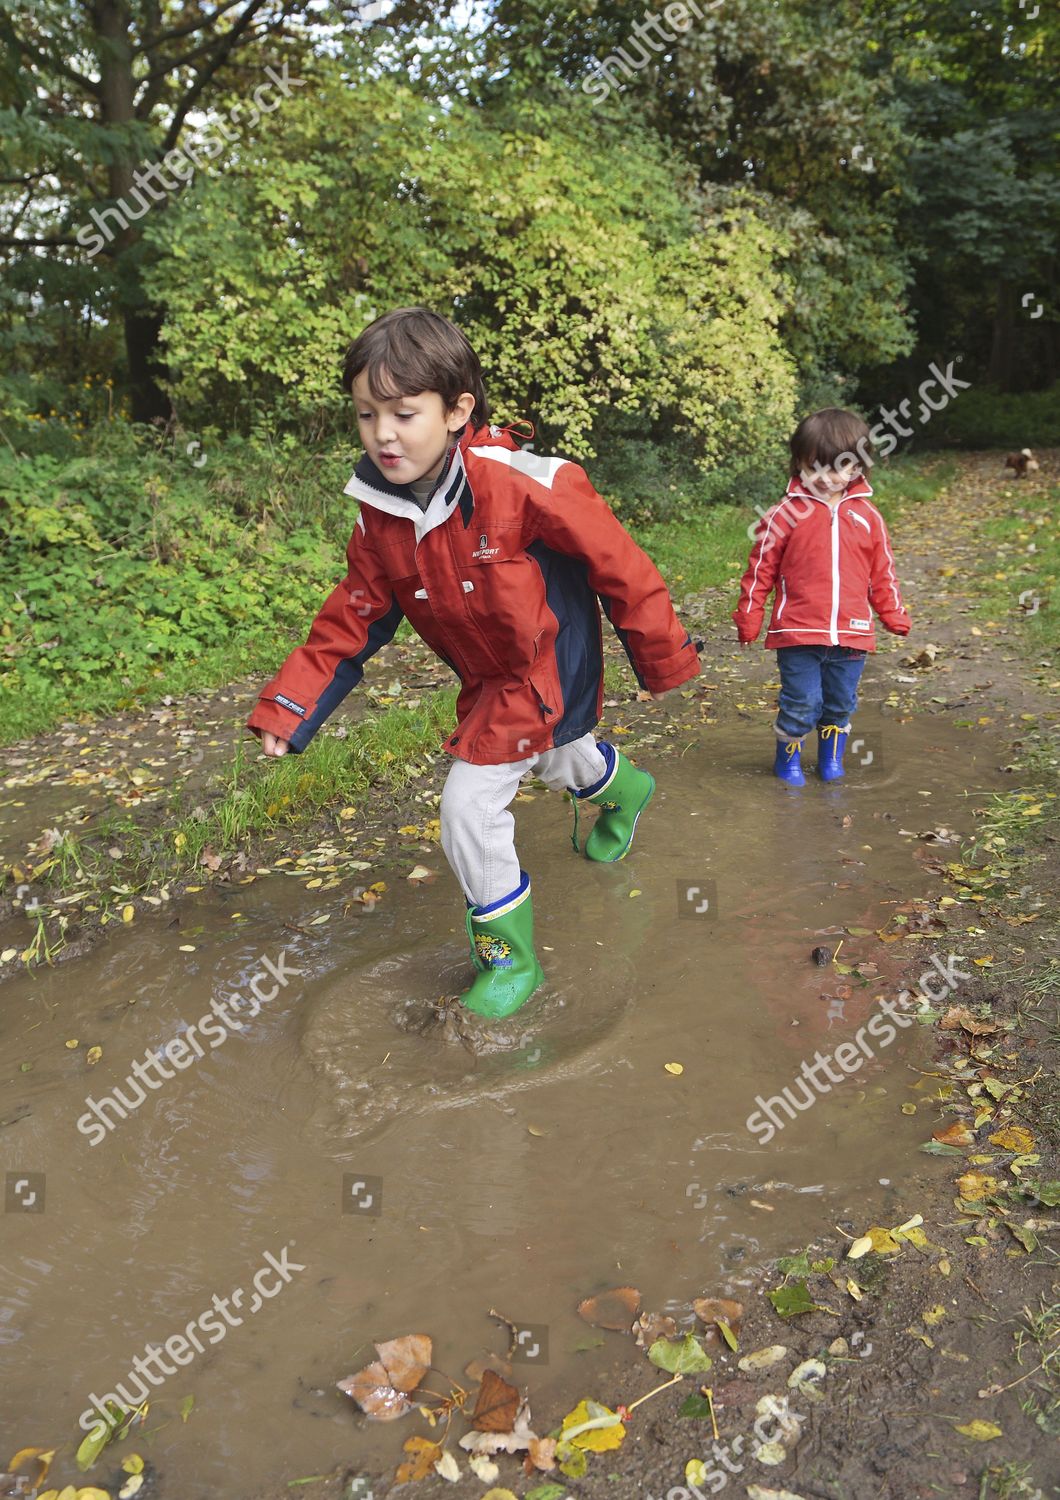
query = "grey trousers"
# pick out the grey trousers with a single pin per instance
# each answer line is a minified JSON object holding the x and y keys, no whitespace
{"x":478,"y":831}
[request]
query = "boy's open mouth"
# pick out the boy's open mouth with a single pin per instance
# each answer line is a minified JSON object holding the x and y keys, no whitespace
{"x":388,"y":459}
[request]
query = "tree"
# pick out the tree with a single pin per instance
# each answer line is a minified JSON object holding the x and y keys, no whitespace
{"x":94,"y":95}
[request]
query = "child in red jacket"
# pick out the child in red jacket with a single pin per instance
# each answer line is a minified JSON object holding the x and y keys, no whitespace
{"x":500,"y":559}
{"x":825,"y":555}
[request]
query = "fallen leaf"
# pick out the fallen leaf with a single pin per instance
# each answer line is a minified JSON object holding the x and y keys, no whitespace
{"x":685,"y":1356}
{"x":598,"y":1439}
{"x":652,"y":1326}
{"x":380,"y":1388}
{"x":976,"y":1185}
{"x":496,"y":1406}
{"x":981,"y":1432}
{"x":422,"y":1457}
{"x":1013,"y":1138}
{"x":957,"y":1134}
{"x":674,"y":1067}
{"x":615,"y":1309}
{"x":761,"y":1359}
{"x":960,"y":1017}
{"x":720,"y":1313}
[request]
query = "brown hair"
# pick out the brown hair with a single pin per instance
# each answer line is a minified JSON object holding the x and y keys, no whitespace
{"x":828,"y":435}
{"x":411,"y":350}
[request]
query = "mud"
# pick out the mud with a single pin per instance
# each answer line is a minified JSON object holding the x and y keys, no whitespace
{"x":561,"y":1158}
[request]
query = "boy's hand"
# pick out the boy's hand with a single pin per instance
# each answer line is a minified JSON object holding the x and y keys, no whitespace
{"x":273,"y":745}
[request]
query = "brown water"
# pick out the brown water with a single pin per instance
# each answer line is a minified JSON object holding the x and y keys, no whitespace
{"x":636,"y":1176}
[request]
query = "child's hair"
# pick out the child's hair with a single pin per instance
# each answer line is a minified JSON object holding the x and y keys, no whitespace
{"x":411,"y":350}
{"x":825,"y":437}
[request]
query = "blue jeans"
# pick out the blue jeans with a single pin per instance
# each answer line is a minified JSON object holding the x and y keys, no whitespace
{"x":818,"y":686}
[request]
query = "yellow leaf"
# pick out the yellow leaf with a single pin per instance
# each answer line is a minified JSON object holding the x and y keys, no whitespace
{"x":944,"y":1266}
{"x":696,"y":1471}
{"x":981,"y":1431}
{"x":854,"y":1290}
{"x":984,"y":963}
{"x":674,"y":1067}
{"x":90,"y":1492}
{"x":72,"y":1043}
{"x":93,"y":1055}
{"x":127,"y":913}
{"x":134,"y":1464}
{"x":934,"y":1315}
{"x":908,"y":1109}
{"x":635,"y":893}
{"x":1013,"y":1138}
{"x":596,"y":1439}
{"x":859,"y":1248}
{"x":977,"y":1185}
{"x":498,"y":1494}
{"x":7,"y":955}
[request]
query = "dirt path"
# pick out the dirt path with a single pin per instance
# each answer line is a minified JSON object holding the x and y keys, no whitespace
{"x":915,"y":1329}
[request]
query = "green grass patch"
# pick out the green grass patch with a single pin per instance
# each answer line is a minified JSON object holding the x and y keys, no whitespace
{"x":1019,"y":565}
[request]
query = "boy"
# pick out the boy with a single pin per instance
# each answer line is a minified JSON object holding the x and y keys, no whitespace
{"x":497,"y":557}
{"x":825,"y":553}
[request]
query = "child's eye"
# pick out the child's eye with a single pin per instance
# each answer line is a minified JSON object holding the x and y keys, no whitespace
{"x":405,"y":415}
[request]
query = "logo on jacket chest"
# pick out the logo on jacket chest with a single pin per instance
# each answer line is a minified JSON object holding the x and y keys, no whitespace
{"x":484,"y":550}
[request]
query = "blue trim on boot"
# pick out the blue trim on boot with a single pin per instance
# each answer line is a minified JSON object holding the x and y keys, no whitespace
{"x":610,"y":755}
{"x":508,"y":900}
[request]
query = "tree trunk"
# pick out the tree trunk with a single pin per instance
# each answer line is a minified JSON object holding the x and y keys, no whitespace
{"x":1003,"y":344}
{"x":142,"y":321}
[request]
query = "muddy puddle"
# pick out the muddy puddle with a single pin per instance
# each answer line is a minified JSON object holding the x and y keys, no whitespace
{"x":415,"y":1185}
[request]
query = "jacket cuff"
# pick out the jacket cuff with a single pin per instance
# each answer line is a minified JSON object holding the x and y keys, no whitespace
{"x":747,"y":626}
{"x":273,"y":719}
{"x":670,"y":671}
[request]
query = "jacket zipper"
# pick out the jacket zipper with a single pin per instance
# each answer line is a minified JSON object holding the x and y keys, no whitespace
{"x":833,"y":631}
{"x":783,"y":597}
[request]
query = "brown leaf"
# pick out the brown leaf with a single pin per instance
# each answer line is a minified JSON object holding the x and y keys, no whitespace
{"x":614,"y":1309}
{"x":959,"y":1016}
{"x":652,"y":1326}
{"x":543,"y":1453}
{"x":496,"y":1406}
{"x":712,"y":1310}
{"x":379,"y":1389}
{"x":957,"y":1134}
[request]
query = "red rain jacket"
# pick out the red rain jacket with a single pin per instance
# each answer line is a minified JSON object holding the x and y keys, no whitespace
{"x":501,"y":576}
{"x":828,"y":569}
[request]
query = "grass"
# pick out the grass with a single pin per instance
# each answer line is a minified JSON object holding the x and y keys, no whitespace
{"x":1011,"y":575}
{"x":249,"y":801}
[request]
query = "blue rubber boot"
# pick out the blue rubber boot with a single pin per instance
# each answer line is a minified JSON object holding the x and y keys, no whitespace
{"x":787,"y":764}
{"x":831,"y":742}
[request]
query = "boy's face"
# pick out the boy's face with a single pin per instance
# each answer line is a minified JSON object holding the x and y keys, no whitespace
{"x":828,"y":480}
{"x":407,"y":437}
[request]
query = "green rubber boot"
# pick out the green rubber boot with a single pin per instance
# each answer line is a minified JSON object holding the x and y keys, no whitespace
{"x":622,"y":796}
{"x":502,"y":949}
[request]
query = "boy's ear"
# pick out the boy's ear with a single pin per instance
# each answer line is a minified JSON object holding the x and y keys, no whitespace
{"x":461,"y":411}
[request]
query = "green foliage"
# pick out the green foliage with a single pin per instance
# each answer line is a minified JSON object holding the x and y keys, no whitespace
{"x":987,"y":418}
{"x":575,"y":260}
{"x":125,"y":562}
